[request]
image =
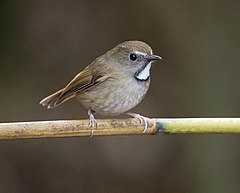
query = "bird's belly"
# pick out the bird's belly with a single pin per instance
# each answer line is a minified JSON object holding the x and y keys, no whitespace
{"x":113,"y":98}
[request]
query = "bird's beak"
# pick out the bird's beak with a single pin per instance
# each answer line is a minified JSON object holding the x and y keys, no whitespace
{"x":153,"y":57}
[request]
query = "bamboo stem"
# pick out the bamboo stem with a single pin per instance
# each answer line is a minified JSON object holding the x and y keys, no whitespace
{"x":71,"y":128}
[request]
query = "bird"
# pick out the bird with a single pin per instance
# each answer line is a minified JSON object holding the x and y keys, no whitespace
{"x":112,"y":84}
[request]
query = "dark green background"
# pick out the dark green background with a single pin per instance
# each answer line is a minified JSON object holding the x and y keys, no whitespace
{"x":43,"y":44}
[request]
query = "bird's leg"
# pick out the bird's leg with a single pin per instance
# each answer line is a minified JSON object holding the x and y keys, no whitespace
{"x":142,"y":120}
{"x":92,"y":121}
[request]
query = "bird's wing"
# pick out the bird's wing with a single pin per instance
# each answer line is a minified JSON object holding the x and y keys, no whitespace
{"x":83,"y":81}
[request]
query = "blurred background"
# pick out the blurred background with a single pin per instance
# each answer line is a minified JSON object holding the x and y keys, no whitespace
{"x":44,"y":44}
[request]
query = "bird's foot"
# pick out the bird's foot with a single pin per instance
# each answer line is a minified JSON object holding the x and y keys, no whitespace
{"x":92,"y":122}
{"x":142,"y":120}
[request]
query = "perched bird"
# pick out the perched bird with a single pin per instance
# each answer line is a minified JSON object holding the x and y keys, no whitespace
{"x":112,"y":84}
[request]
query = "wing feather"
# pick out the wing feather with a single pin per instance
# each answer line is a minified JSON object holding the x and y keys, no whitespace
{"x":91,"y":76}
{"x":84,"y":81}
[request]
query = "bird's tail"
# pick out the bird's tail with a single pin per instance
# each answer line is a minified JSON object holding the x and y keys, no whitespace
{"x":55,"y":99}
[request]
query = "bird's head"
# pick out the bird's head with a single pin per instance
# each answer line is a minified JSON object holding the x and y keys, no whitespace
{"x":134,"y":57}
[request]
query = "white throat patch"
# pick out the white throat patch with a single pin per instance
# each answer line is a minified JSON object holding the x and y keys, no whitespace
{"x":145,"y":73}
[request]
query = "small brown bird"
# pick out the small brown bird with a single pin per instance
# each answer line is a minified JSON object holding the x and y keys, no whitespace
{"x":112,"y":84}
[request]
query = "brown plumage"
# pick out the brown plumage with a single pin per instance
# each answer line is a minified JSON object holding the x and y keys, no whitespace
{"x":113,"y":84}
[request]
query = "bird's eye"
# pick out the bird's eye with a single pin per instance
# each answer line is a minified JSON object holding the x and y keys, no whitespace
{"x":133,"y":57}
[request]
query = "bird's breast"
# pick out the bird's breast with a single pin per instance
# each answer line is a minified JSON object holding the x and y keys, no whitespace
{"x":114,"y":96}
